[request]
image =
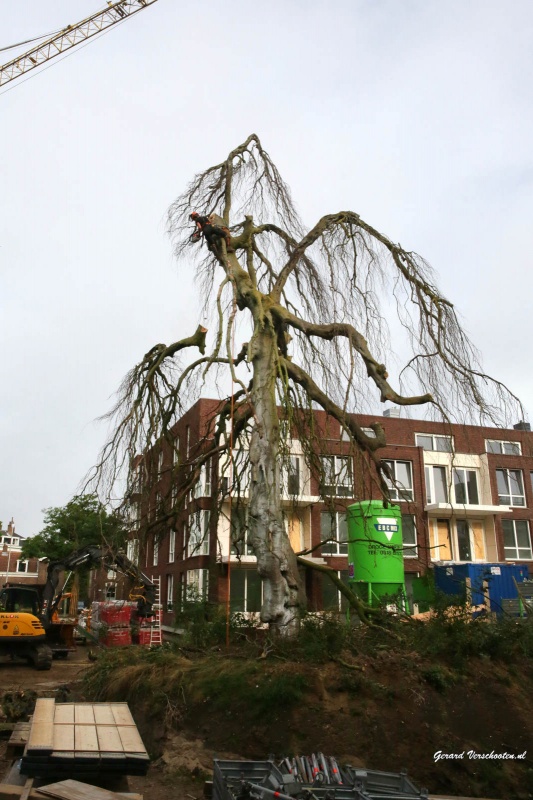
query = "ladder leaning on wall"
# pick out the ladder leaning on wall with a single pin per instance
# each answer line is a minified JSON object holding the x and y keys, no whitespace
{"x":155,"y":627}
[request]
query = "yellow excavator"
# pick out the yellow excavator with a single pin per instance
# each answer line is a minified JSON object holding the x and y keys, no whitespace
{"x":29,"y":626}
{"x":22,"y":634}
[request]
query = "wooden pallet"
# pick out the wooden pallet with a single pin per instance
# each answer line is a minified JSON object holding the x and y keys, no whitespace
{"x":82,"y":739}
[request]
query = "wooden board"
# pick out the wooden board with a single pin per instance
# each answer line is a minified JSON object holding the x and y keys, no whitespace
{"x":85,"y":739}
{"x":13,"y":792}
{"x":83,"y":714}
{"x":64,"y":713}
{"x":122,"y":714}
{"x":103,"y":715}
{"x":76,"y":790}
{"x":131,"y":740}
{"x":109,"y":740}
{"x":63,"y":737}
{"x":42,"y":727}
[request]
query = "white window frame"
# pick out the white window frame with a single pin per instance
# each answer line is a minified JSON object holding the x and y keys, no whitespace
{"x":454,"y":540}
{"x":160,"y":460}
{"x":465,"y":470}
{"x":340,"y":476}
{"x":132,"y":551}
{"x":512,"y":497}
{"x":247,"y":573}
{"x":429,"y":477}
{"x":155,"y":554}
{"x":490,"y":447}
{"x":198,"y":534}
{"x":436,"y":439}
{"x":176,"y":451}
{"x":245,"y":549}
{"x":410,"y":549}
{"x":22,"y":562}
{"x":292,"y":475}
{"x":396,"y":492}
{"x":203,"y":484}
{"x":342,"y":602}
{"x":338,"y":547}
{"x":198,"y":581}
{"x":171,"y":546}
{"x":512,"y":553}
{"x":170,"y":592}
{"x":111,"y":591}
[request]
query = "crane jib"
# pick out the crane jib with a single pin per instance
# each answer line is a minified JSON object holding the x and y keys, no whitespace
{"x":71,"y":36}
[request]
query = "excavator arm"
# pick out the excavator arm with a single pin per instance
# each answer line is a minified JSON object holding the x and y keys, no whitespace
{"x":143,"y":590}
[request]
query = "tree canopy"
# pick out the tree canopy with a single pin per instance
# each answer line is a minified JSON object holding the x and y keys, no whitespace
{"x":310,"y":307}
{"x":82,"y":521}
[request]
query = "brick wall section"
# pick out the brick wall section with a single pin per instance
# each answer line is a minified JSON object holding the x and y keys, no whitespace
{"x":400,"y":435}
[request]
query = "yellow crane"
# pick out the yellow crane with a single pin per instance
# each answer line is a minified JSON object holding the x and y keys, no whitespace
{"x":71,"y":36}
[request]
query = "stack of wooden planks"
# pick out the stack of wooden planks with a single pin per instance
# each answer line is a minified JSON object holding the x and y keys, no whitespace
{"x":82,"y":740}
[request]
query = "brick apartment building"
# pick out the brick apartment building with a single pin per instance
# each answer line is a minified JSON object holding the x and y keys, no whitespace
{"x":465,"y":493}
{"x":14,"y":568}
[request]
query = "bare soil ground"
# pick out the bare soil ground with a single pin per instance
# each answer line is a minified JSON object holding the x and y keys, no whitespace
{"x":381,"y":715}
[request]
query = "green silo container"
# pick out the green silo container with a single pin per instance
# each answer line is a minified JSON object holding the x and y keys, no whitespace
{"x":375,"y":550}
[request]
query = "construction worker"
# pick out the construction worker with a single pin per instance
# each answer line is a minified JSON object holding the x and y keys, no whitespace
{"x":213,"y":229}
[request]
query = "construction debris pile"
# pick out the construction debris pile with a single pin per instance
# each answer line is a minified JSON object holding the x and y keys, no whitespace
{"x":314,"y":777}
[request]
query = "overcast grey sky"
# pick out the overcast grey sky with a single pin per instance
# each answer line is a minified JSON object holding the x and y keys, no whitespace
{"x":416,"y":114}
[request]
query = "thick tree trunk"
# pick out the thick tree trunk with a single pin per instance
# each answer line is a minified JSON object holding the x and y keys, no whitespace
{"x":276,"y":562}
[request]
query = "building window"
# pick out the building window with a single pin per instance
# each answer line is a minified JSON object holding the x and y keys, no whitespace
{"x":170,"y":592}
{"x":132,"y":551}
{"x":171,"y":546}
{"x":516,"y":540}
{"x":198,"y":543}
{"x":434,"y":442}
{"x":464,"y":540}
{"x":465,"y":486}
{"x":410,"y":544}
{"x":22,"y":566}
{"x":436,"y":484}
{"x":401,"y":487}
{"x":510,"y":487}
{"x":370,"y":432}
{"x":160,"y":459}
{"x":239,"y":533}
{"x":155,"y":560}
{"x":333,"y":526}
{"x":337,"y":476}
{"x":197,"y":584}
{"x":246,"y":590}
{"x":203,"y":484}
{"x":111,"y":591}
{"x":503,"y":448}
{"x":176,"y":451}
{"x":332,"y":598}
{"x":291,"y":476}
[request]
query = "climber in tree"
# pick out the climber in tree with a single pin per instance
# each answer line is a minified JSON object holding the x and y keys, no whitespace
{"x":212,"y":227}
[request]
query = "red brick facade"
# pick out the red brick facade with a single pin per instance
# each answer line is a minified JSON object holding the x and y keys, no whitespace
{"x":453,"y":528}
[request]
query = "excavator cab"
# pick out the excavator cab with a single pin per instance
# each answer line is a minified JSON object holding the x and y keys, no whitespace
{"x":18,"y":600}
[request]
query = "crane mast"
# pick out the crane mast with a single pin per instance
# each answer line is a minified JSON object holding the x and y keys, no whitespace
{"x":71,"y":36}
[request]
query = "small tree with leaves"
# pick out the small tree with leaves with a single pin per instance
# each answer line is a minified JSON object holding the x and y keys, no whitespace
{"x":310,"y":304}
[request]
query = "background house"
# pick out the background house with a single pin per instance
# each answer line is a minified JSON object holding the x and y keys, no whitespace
{"x":14,"y":568}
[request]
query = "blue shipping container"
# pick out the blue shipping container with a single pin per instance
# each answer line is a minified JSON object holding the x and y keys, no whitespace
{"x":451,"y":578}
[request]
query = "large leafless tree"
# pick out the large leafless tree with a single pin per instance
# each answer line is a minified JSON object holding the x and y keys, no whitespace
{"x":310,"y":305}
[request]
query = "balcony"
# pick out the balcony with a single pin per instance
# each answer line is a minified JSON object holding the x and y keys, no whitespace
{"x":445,"y":510}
